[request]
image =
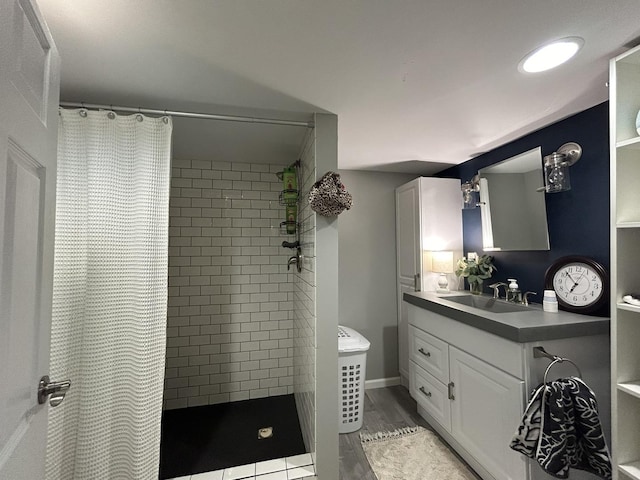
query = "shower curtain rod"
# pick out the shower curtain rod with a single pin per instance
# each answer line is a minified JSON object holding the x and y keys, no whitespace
{"x":173,"y":113}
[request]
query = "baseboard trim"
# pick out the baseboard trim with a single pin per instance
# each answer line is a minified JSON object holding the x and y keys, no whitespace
{"x":381,"y":382}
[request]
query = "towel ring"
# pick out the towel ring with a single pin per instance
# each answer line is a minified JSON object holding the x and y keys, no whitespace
{"x":559,"y":360}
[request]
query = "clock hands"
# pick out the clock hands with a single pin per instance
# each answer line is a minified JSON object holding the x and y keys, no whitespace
{"x":571,"y":278}
{"x":575,"y":284}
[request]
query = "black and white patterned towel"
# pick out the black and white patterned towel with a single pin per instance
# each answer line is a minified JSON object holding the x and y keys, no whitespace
{"x":561,"y":429}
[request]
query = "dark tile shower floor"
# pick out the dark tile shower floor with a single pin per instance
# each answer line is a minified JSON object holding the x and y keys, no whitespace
{"x":213,"y":437}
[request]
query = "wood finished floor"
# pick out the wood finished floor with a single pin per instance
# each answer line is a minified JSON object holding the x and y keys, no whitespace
{"x":384,"y":409}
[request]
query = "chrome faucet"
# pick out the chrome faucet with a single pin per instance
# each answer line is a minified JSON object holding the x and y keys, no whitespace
{"x":525,"y":297}
{"x":517,"y":297}
{"x":496,"y":289}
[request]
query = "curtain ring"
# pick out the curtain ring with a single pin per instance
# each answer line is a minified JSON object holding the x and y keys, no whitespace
{"x":139,"y":117}
{"x":165,"y":120}
{"x":82,"y":112}
{"x":111,"y":115}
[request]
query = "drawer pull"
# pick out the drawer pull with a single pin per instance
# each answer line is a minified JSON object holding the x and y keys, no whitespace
{"x":450,"y":391}
{"x":428,"y":394}
{"x":426,"y":354}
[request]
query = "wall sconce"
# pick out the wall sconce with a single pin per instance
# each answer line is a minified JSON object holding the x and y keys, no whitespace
{"x":442,"y":263}
{"x":556,"y":167}
{"x":470,"y":192}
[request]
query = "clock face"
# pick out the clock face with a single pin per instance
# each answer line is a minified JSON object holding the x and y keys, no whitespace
{"x":578,"y":284}
{"x":581,"y":284}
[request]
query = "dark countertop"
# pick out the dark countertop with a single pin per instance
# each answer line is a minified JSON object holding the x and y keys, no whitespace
{"x":531,"y":325}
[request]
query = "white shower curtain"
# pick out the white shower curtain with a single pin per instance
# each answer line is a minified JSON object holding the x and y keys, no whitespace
{"x":110,"y":295}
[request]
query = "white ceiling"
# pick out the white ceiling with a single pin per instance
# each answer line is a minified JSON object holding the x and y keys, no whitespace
{"x":416,"y":84}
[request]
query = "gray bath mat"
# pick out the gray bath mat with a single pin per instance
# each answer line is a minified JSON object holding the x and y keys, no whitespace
{"x":412,"y":453}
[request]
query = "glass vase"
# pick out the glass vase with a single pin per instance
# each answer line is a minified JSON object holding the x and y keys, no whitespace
{"x":475,"y":288}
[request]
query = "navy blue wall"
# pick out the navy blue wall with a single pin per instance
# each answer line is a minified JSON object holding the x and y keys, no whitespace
{"x":578,"y":219}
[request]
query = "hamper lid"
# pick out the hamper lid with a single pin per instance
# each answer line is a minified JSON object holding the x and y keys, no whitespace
{"x":351,"y":341}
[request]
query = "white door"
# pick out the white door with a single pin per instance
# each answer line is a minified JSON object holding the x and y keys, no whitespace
{"x":485,"y":412}
{"x":409,"y":260}
{"x":29,"y":90}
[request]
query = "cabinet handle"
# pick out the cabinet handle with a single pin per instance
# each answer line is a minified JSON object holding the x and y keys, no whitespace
{"x":428,"y":394}
{"x":416,"y":282}
{"x":450,"y":391}
{"x":426,"y":354}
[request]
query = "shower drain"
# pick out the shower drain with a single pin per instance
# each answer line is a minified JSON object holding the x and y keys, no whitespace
{"x":266,"y":432}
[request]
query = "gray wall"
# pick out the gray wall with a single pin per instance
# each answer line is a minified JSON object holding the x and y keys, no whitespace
{"x":326,"y":323}
{"x":367,"y":246}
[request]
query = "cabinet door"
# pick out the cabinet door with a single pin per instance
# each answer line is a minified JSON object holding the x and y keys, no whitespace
{"x":409,"y":252}
{"x":409,"y":260}
{"x":485,"y":412}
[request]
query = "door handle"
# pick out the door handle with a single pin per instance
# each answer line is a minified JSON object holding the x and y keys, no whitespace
{"x":416,"y":282}
{"x":57,"y":390}
{"x":450,"y":391}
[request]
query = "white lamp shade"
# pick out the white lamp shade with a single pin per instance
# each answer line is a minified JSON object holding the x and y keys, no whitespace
{"x":442,"y":262}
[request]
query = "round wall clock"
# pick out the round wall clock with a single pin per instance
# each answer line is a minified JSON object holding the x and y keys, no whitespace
{"x":581,"y":284}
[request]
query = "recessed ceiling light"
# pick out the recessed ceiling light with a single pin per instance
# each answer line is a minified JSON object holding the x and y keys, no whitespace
{"x":551,"y":55}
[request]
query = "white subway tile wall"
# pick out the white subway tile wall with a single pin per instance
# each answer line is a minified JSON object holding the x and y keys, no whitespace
{"x":230,"y":315}
{"x":304,"y":303}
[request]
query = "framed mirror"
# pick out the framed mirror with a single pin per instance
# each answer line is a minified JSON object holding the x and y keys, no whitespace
{"x":512,"y":207}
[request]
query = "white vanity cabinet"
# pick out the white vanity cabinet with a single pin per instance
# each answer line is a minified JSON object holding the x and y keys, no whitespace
{"x":476,"y":403}
{"x":428,"y":218}
{"x":472,"y":386}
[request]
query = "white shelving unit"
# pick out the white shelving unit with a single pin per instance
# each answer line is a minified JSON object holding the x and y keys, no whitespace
{"x":625,"y":257}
